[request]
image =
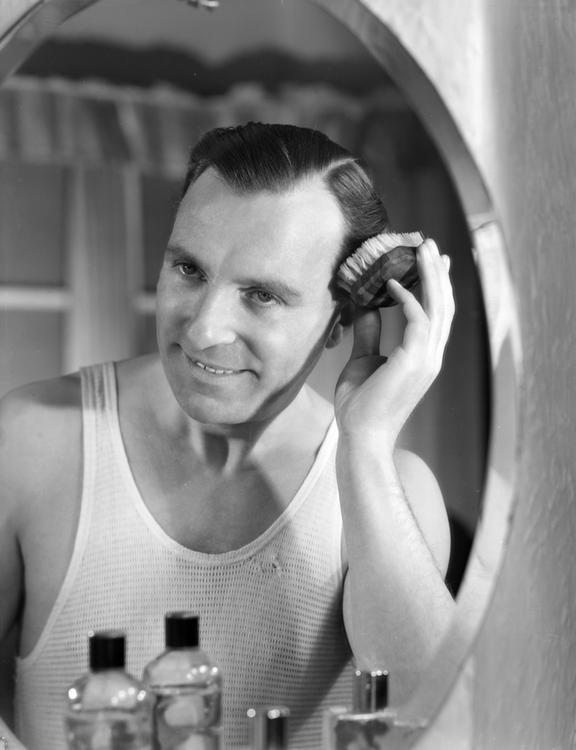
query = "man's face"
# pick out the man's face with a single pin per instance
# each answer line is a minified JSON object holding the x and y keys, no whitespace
{"x":244,"y":307}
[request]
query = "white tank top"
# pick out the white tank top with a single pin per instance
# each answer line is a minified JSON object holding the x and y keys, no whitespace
{"x":270,"y":612}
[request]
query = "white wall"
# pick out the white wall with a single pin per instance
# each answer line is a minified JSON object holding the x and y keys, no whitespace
{"x":525,"y":682}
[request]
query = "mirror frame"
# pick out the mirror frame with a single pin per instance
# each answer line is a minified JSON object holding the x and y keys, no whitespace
{"x":444,"y":86}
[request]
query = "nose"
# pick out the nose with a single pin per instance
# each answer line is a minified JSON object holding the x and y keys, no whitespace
{"x":212,"y":319}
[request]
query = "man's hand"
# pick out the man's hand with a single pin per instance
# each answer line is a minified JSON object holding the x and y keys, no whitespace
{"x":377,"y":394}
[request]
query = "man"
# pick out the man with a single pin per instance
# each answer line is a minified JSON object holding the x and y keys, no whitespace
{"x":211,"y":477}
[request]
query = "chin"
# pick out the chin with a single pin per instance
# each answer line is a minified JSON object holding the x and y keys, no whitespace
{"x":212,"y":411}
{"x":215,"y":412}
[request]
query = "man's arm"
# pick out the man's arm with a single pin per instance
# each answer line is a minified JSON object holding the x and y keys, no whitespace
{"x":11,"y":565}
{"x":397,"y":545}
{"x":10,"y":598}
{"x":396,"y":606}
{"x":40,"y":457}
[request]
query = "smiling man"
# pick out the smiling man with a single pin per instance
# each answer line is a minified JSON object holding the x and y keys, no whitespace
{"x":210,"y":477}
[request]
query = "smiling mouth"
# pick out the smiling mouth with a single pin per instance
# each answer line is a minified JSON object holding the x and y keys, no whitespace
{"x":213,"y":370}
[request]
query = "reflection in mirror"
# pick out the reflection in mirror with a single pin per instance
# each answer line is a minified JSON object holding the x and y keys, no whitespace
{"x":96,"y":129}
{"x":234,"y":69}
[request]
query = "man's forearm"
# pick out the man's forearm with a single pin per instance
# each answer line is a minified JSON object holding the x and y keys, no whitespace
{"x":396,"y":606}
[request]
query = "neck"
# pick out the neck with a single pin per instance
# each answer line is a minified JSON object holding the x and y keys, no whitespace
{"x":227,"y":449}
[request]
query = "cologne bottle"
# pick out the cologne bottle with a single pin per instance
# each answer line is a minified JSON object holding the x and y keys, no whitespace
{"x":268,"y":727}
{"x":364,"y":726}
{"x":107,"y":708}
{"x":187,"y":689}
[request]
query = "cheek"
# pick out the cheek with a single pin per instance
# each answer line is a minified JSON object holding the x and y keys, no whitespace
{"x":291,"y":345}
{"x":161,"y":293}
{"x":168,"y":306}
{"x":163,"y":315}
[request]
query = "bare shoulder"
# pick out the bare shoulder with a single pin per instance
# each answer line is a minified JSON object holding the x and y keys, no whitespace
{"x":40,"y":431}
{"x":27,"y":412}
{"x":427,"y":503}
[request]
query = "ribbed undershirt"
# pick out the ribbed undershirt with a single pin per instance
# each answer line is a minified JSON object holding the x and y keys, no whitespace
{"x":270,"y":612}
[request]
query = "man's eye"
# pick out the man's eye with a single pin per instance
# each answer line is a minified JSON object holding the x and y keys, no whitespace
{"x":188,"y":269}
{"x":263,"y":298}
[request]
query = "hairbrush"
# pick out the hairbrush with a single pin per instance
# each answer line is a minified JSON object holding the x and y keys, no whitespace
{"x":365,"y":273}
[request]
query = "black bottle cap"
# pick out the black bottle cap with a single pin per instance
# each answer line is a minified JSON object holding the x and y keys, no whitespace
{"x":370,"y":691}
{"x":269,"y":727}
{"x":107,"y":650}
{"x":182,"y":630}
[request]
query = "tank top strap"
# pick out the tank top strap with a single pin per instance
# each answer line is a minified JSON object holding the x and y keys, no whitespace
{"x":99,"y":415}
{"x":99,"y":424}
{"x":99,"y":398}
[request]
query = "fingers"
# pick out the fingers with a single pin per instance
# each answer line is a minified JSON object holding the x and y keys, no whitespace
{"x":437,"y":298}
{"x":417,"y":335}
{"x":367,"y":326}
{"x":428,"y":324}
{"x":433,"y":274}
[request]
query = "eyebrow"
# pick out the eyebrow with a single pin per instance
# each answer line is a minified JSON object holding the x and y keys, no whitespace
{"x":275,"y":286}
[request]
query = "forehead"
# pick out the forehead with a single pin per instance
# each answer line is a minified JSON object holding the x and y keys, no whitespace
{"x":301,"y":224}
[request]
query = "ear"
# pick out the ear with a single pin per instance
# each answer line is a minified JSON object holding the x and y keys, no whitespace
{"x":341,"y":322}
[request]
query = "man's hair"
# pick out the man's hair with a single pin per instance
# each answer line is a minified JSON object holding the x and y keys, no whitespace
{"x":268,"y":157}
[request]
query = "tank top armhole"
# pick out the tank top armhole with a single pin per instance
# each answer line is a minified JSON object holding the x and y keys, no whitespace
{"x":91,"y":385}
{"x":342,"y":557}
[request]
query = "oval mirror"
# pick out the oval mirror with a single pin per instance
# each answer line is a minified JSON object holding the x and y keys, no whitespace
{"x":126,"y":90}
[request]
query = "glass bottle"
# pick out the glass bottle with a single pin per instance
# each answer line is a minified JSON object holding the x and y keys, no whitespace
{"x":187,"y":688}
{"x":364,"y":726}
{"x":268,"y":727}
{"x":107,"y":708}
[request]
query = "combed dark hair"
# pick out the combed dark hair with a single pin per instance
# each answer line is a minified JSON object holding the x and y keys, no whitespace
{"x":268,"y":157}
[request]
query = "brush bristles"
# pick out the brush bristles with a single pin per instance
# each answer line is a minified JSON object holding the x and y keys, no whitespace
{"x":370,"y":250}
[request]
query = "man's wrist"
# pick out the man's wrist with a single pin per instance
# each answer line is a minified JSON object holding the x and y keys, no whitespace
{"x":369,"y":441}
{"x":366,"y":462}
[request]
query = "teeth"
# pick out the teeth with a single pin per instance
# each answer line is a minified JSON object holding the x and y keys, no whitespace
{"x":213,"y":370}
